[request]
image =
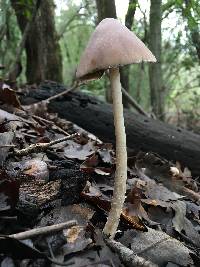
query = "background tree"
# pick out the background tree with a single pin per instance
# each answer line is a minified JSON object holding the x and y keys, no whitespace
{"x":129,"y":18}
{"x":106,"y":9}
{"x":76,"y":20}
{"x":43,"y":56}
{"x":155,"y":70}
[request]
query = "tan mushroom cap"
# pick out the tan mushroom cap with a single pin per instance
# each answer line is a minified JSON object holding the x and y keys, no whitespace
{"x":111,"y":45}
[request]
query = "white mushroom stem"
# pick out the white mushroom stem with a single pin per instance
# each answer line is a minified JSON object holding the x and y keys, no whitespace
{"x":121,"y":156}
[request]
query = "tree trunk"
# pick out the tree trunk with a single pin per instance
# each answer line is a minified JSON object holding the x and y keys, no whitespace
{"x":143,"y":133}
{"x":106,"y":9}
{"x":126,"y":69}
{"x":42,"y":49}
{"x":155,"y":71}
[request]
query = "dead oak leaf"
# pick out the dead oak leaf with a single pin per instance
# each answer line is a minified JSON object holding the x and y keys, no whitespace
{"x":90,"y":165}
{"x":78,"y":151}
{"x":9,"y":96}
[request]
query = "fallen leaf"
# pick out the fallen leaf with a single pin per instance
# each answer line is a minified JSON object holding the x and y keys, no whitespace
{"x":106,"y":153}
{"x":157,"y":247}
{"x":9,"y":191}
{"x":91,"y":164}
{"x":18,"y":249}
{"x":78,"y":151}
{"x":181,"y":223}
{"x":9,"y":96}
{"x":160,"y":192}
{"x":6,"y":140}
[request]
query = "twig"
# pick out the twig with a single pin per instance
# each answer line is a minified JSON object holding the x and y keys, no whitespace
{"x":128,"y":257}
{"x":52,"y":123}
{"x":8,"y":218}
{"x":2,"y":146}
{"x":44,"y":230}
{"x":74,"y":86}
{"x":40,"y":147}
{"x":132,"y":101}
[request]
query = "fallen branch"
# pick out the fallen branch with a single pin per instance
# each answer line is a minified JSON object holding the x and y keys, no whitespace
{"x":40,"y":147}
{"x":129,"y":98}
{"x":71,"y":89}
{"x":51,"y":123}
{"x":132,"y":101}
{"x":127,"y":256}
{"x":43,"y":230}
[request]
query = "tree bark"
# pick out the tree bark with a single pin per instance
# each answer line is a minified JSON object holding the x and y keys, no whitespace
{"x":142,"y":133}
{"x":16,"y":68}
{"x":106,"y":9}
{"x":42,"y":49}
{"x":155,"y":71}
{"x":126,"y":69}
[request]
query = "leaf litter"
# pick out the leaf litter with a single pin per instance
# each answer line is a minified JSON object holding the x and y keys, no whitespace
{"x":74,"y":180}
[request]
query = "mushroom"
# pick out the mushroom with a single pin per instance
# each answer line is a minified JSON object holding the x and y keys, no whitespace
{"x":110,"y":46}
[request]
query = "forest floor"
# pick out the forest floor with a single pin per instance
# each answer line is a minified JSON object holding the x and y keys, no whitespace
{"x":55,"y":173}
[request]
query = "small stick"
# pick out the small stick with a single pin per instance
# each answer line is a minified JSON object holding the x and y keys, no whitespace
{"x":128,"y":257}
{"x":44,"y":230}
{"x":74,"y":86}
{"x":8,"y":218}
{"x":40,"y":147}
{"x":52,"y":123}
{"x":132,"y":101}
{"x":2,"y":146}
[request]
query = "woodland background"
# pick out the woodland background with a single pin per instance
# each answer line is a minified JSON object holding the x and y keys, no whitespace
{"x":43,"y":40}
{"x":57,"y":151}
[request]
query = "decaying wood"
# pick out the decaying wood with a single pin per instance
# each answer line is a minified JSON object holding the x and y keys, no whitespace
{"x":143,"y":133}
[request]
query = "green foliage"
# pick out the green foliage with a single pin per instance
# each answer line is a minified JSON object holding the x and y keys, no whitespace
{"x":74,"y":26}
{"x":10,"y":35}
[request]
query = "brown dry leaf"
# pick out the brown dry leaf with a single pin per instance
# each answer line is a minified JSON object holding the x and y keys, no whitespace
{"x":10,"y":120}
{"x":157,"y":192}
{"x":90,"y":165}
{"x":133,"y":210}
{"x":129,"y":213}
{"x":186,"y":176}
{"x":40,"y":109}
{"x":37,"y":169}
{"x":194,"y":209}
{"x":78,"y":151}
{"x":93,"y":194}
{"x":181,"y":223}
{"x":158,"y":247}
{"x":9,"y":96}
{"x":106,"y":153}
{"x":6,"y":140}
{"x":9,"y":191}
{"x":133,"y":220}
